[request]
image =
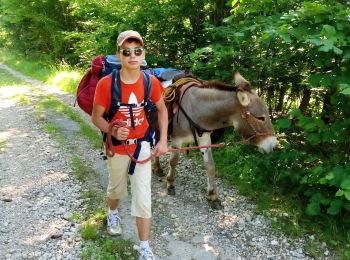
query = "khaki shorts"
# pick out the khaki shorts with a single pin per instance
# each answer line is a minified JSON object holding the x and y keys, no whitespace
{"x":140,"y":181}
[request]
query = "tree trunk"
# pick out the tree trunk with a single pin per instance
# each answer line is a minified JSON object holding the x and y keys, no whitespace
{"x":305,"y":101}
{"x":218,"y":13}
{"x":280,"y":102}
{"x":327,"y":112}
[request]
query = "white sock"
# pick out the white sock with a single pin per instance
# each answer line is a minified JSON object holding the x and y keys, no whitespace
{"x":112,"y":211}
{"x":144,"y":244}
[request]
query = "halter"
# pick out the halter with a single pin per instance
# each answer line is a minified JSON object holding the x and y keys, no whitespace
{"x":246,"y":115}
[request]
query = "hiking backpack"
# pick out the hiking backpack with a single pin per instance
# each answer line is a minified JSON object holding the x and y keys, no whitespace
{"x":100,"y":66}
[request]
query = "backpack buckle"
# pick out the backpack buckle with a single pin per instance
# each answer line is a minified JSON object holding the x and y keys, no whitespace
{"x":131,"y":141}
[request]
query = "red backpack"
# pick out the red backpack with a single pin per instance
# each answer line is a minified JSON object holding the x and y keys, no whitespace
{"x":100,"y":66}
{"x":87,"y":85}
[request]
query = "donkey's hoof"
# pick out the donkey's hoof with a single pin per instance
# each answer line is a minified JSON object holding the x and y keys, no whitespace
{"x":215,"y":204}
{"x":171,"y":191}
{"x":159,"y":172}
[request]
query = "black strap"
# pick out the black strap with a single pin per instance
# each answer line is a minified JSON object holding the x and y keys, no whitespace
{"x":116,"y":95}
{"x":115,"y":103}
{"x":149,"y":137}
{"x":193,"y":125}
{"x":136,"y":154}
{"x":147,"y":87}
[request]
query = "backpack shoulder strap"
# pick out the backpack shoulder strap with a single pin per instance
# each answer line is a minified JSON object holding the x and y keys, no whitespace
{"x":116,"y":94}
{"x":147,"y":86}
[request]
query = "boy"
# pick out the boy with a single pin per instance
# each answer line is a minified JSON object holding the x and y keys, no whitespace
{"x":131,"y":53}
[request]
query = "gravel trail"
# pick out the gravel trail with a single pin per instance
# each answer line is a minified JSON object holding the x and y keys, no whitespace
{"x":39,"y":194}
{"x":37,"y":190}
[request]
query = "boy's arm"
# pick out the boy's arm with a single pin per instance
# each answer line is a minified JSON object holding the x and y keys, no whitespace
{"x":161,"y":147}
{"x":97,"y":119}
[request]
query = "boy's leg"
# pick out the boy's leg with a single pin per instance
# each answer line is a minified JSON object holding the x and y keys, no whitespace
{"x":143,"y":227}
{"x":141,"y":200}
{"x":141,"y":186}
{"x":113,"y":203}
{"x":117,"y":188}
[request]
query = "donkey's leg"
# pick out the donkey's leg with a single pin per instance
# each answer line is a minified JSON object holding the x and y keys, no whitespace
{"x":174,"y":159}
{"x":212,"y":195}
{"x":157,"y":168}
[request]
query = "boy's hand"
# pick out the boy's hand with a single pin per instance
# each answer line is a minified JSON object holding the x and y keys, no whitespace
{"x":121,"y":133}
{"x":160,"y":149}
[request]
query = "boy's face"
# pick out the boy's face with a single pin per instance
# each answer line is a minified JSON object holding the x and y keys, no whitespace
{"x":131,"y":55}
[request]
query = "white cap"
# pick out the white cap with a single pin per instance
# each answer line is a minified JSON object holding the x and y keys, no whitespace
{"x":123,"y":36}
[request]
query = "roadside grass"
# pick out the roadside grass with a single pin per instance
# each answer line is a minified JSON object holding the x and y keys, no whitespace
{"x":109,"y":249}
{"x":2,"y":146}
{"x":59,"y":107}
{"x":37,"y":69}
{"x":8,"y":80}
{"x":82,"y":171}
{"x":54,"y":131}
{"x":23,"y":99}
{"x":60,"y":75}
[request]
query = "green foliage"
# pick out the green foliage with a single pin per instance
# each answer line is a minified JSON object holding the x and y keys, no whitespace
{"x":109,"y":249}
{"x":299,"y":176}
{"x":75,"y":31}
{"x":37,"y":68}
{"x":90,"y":231}
{"x":36,"y":26}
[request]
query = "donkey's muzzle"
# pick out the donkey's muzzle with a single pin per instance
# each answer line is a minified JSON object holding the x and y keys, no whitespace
{"x":268,"y":144}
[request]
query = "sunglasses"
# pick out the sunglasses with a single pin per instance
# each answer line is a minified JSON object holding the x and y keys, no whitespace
{"x":127,"y":51}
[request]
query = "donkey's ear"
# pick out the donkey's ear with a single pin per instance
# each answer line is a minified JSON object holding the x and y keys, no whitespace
{"x":238,"y":78}
{"x":240,"y":82}
{"x":243,"y":98}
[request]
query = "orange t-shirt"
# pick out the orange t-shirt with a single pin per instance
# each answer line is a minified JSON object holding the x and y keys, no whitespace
{"x":131,"y":94}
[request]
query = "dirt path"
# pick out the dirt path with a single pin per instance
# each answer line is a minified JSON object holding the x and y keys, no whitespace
{"x":38,"y":194}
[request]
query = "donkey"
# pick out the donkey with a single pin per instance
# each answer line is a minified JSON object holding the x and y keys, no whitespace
{"x":202,"y":107}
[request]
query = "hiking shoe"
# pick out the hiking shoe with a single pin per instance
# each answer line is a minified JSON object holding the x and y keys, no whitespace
{"x":113,"y":224}
{"x":146,"y":254}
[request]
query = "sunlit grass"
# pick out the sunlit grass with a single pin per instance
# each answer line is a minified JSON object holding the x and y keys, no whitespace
{"x":8,"y":80}
{"x":66,"y":80}
{"x":60,"y":75}
{"x":90,"y":230}
{"x":2,"y":146}
{"x":37,"y":69}
{"x":23,"y":99}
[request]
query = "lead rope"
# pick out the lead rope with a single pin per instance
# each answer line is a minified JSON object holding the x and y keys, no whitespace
{"x":119,"y":123}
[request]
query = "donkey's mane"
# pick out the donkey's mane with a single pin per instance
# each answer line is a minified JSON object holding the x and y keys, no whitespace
{"x":216,"y":84}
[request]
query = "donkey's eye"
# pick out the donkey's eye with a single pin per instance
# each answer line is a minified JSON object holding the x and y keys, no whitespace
{"x":261,"y":118}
